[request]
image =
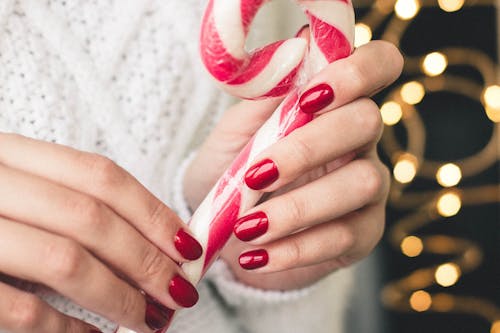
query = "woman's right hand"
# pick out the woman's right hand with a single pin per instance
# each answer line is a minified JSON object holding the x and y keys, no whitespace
{"x":81,"y":225}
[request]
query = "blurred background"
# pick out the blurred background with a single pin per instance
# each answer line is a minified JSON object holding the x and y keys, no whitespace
{"x":438,"y":266}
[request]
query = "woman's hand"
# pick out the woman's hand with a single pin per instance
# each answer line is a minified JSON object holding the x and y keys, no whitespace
{"x":326,"y":186}
{"x":79,"y":224}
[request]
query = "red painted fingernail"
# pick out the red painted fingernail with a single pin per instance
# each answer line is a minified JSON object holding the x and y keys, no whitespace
{"x":187,"y":246}
{"x":251,"y":226}
{"x":157,"y":316}
{"x":183,"y":292}
{"x":254,"y":259}
{"x":316,"y":98}
{"x":261,"y":174}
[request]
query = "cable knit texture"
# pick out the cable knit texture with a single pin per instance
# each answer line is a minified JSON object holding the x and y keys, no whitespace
{"x":123,"y":79}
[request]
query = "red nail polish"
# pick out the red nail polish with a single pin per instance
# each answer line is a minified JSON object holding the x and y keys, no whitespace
{"x":261,"y":174}
{"x":183,"y":292}
{"x":254,"y":259}
{"x":251,"y":226}
{"x":316,"y":98}
{"x":187,"y":246}
{"x":157,"y":316}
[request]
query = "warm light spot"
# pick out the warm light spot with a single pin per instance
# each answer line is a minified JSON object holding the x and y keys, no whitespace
{"x":362,"y":33}
{"x":450,"y":5}
{"x":495,"y":327}
{"x":412,"y":92}
{"x":434,"y":63}
{"x":449,"y":204}
{"x":493,"y":114}
{"x":449,"y":175}
{"x":391,"y":113}
{"x":420,"y":301}
{"x":491,"y":96}
{"x":412,"y":246}
{"x":405,"y":168}
{"x":406,"y":9}
{"x":447,"y":274}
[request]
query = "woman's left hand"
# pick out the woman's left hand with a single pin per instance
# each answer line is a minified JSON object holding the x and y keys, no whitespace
{"x":326,"y":186}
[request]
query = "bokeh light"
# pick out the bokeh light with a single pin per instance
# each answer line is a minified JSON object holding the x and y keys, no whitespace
{"x":495,"y":327}
{"x":449,"y":204}
{"x":405,"y":168}
{"x":491,"y":96}
{"x":391,"y":113}
{"x":406,"y":9}
{"x":451,"y":5}
{"x":362,"y":33}
{"x":449,"y":175}
{"x":434,"y":63}
{"x":412,"y":92}
{"x":412,"y":246}
{"x":447,"y":274}
{"x":420,"y":301}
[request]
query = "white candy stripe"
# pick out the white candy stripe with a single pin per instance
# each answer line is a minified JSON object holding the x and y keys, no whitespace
{"x":229,"y":25}
{"x":285,"y":59}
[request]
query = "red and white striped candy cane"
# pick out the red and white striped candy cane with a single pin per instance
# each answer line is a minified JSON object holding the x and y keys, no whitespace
{"x":277,"y":69}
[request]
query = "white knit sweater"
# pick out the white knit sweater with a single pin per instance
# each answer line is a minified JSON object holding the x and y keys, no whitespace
{"x":122,"y":78}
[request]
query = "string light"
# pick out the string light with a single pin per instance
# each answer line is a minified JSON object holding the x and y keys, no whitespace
{"x":495,"y":327}
{"x":412,"y":92}
{"x":491,"y":96}
{"x":405,"y":168}
{"x":362,"y":33}
{"x":449,"y":175}
{"x":412,"y":246}
{"x":406,"y":9}
{"x":449,"y":204}
{"x":434,"y":63}
{"x":447,"y":274}
{"x":391,"y":113}
{"x":420,"y":301}
{"x":451,"y":5}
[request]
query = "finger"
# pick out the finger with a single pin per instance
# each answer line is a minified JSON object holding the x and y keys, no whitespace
{"x":351,"y":128}
{"x":22,"y":312}
{"x":63,"y":265}
{"x":357,"y":184}
{"x":103,"y":179}
{"x":342,"y":242}
{"x":370,"y":68}
{"x":98,"y":228}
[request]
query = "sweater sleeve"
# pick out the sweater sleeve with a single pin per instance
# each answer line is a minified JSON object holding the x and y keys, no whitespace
{"x":317,"y":308}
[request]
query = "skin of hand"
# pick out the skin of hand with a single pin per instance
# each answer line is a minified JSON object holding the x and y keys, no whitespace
{"x":81,"y":225}
{"x":326,"y":209}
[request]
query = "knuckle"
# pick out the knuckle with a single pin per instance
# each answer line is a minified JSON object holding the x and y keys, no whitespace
{"x":129,"y":304}
{"x":25,"y":312}
{"x":346,"y":240}
{"x":104,"y":173}
{"x":300,"y":150}
{"x":296,"y":210}
{"x":393,"y":56}
{"x":369,"y":119}
{"x":152,"y":265}
{"x":159,"y":215}
{"x":370,"y":179}
{"x":90,"y":212}
{"x":293,"y":254}
{"x":64,"y":259}
{"x":356,"y":74}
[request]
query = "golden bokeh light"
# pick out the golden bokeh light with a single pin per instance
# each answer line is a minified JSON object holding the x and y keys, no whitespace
{"x":405,"y":169}
{"x":391,"y":113}
{"x":449,"y":204}
{"x":412,"y":92}
{"x":420,"y":301}
{"x":434,"y":63}
{"x":412,"y":246}
{"x":362,"y":33}
{"x":493,"y":114}
{"x":449,"y":175}
{"x":495,"y":327}
{"x":406,"y":9}
{"x":447,"y":274}
{"x":451,"y":5}
{"x":491,"y":96}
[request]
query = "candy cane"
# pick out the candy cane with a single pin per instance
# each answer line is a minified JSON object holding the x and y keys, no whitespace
{"x":277,"y":69}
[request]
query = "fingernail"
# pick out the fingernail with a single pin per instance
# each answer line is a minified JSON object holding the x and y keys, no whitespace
{"x":183,"y":292}
{"x":251,"y":226}
{"x":157,"y":316}
{"x":316,"y":98}
{"x":254,"y":259}
{"x":261,"y":174}
{"x":301,"y":30}
{"x":187,"y":246}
